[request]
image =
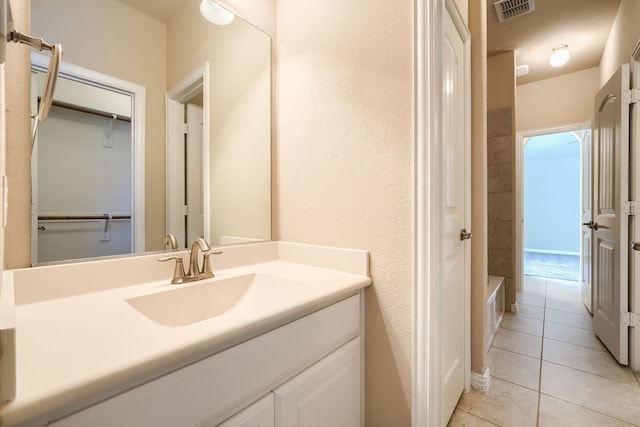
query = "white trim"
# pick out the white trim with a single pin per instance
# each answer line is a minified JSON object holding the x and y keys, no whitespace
{"x":634,"y":230}
{"x":138,"y":95}
{"x":425,"y":384}
{"x":521,"y":139}
{"x":481,"y":381}
{"x":197,"y":81}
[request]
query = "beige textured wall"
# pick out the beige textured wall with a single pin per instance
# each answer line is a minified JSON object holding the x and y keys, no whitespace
{"x":345,"y":142}
{"x":556,"y":101}
{"x":501,"y":93}
{"x":114,"y":39}
{"x":624,"y":35}
{"x":18,"y":147}
{"x":479,"y":225}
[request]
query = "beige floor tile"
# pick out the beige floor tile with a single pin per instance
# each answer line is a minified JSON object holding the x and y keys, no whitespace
{"x":534,"y":286}
{"x":523,"y":298}
{"x":568,"y":286}
{"x":504,"y":404}
{"x":563,"y":296}
{"x":461,"y":418}
{"x":585,"y":359}
{"x":572,"y":307}
{"x":531,"y":311}
{"x":518,"y":323}
{"x":514,"y":367}
{"x":597,"y":393}
{"x":555,"y":412}
{"x":576,"y":320}
{"x":519,"y":342}
{"x":573,"y":335}
{"x":637,"y":374}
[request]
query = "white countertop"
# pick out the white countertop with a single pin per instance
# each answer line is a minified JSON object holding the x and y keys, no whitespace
{"x":76,"y":350}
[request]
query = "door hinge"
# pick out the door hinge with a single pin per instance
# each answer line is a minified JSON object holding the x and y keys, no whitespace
{"x":629,"y":319}
{"x":185,"y":128}
{"x":630,"y":96}
{"x":630,"y":208}
{"x":185,"y":210}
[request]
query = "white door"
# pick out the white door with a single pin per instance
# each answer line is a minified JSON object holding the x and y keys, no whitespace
{"x":193,"y":174}
{"x":586,"y":218}
{"x":455,"y":202}
{"x":610,"y":228}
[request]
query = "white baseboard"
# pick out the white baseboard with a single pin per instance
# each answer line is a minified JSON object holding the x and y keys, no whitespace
{"x":514,"y":308}
{"x":481,"y":381}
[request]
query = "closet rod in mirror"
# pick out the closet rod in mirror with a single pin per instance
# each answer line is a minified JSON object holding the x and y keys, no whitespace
{"x":90,"y":111}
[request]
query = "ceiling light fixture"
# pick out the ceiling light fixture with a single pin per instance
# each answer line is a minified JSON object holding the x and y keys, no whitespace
{"x":560,"y":56}
{"x":215,"y":13}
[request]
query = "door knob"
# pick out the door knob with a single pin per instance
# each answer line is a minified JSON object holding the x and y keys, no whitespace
{"x":594,"y":225}
{"x":635,"y":246}
{"x":464,"y":235}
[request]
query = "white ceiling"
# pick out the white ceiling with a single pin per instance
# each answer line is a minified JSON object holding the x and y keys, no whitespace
{"x":582,"y":24}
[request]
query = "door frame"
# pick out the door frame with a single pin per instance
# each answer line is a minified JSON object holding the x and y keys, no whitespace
{"x":521,"y":139}
{"x":138,"y":95}
{"x":634,"y":226}
{"x":175,"y":99}
{"x":427,"y":402}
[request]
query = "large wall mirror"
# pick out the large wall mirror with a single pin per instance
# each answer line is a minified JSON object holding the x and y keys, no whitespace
{"x":211,"y":180}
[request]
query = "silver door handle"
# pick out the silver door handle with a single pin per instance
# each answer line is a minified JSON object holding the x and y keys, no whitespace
{"x":594,"y":225}
{"x":464,"y":235}
{"x":635,"y":246}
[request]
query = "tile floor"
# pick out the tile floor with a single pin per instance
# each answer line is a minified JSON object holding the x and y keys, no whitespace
{"x":549,"y":369}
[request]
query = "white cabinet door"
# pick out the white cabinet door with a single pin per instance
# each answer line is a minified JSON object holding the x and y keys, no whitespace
{"x":259,"y":414}
{"x":326,"y":394}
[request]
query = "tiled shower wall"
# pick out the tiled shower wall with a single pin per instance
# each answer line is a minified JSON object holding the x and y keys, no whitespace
{"x":501,"y":197}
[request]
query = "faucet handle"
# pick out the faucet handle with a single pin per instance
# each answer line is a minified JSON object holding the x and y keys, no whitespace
{"x":206,"y":271}
{"x":178,"y":272}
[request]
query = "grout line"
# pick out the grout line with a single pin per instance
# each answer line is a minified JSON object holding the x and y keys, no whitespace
{"x":590,"y":373}
{"x":476,"y":416}
{"x":544,"y":317}
{"x":601,"y":350}
{"x":587,"y":408}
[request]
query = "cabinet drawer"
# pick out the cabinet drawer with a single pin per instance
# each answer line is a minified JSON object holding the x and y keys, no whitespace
{"x":216,"y":387}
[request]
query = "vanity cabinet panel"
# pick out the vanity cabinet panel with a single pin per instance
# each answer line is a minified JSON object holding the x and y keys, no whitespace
{"x":259,"y":414}
{"x":326,"y":394}
{"x":217,"y":387}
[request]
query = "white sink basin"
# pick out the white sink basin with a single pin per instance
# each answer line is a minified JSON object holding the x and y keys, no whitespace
{"x":191,"y":303}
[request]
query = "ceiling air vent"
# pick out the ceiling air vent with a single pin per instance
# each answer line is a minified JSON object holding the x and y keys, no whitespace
{"x":509,"y":9}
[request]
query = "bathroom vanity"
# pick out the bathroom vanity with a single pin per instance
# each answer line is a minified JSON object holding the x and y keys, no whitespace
{"x":274,"y":339}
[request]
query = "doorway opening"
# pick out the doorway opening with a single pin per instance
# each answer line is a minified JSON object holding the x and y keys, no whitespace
{"x":553,"y":178}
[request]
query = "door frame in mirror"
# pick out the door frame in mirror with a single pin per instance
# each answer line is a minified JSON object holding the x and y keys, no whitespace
{"x":138,"y":104}
{"x":176,"y":97}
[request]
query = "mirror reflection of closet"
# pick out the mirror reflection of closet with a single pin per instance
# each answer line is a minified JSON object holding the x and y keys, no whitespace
{"x":83,"y":167}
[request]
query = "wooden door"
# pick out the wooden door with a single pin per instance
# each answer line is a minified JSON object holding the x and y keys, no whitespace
{"x":610,"y":228}
{"x":455,"y":201}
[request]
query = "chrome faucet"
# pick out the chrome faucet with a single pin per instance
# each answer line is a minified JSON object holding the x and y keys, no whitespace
{"x":195,"y":271}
